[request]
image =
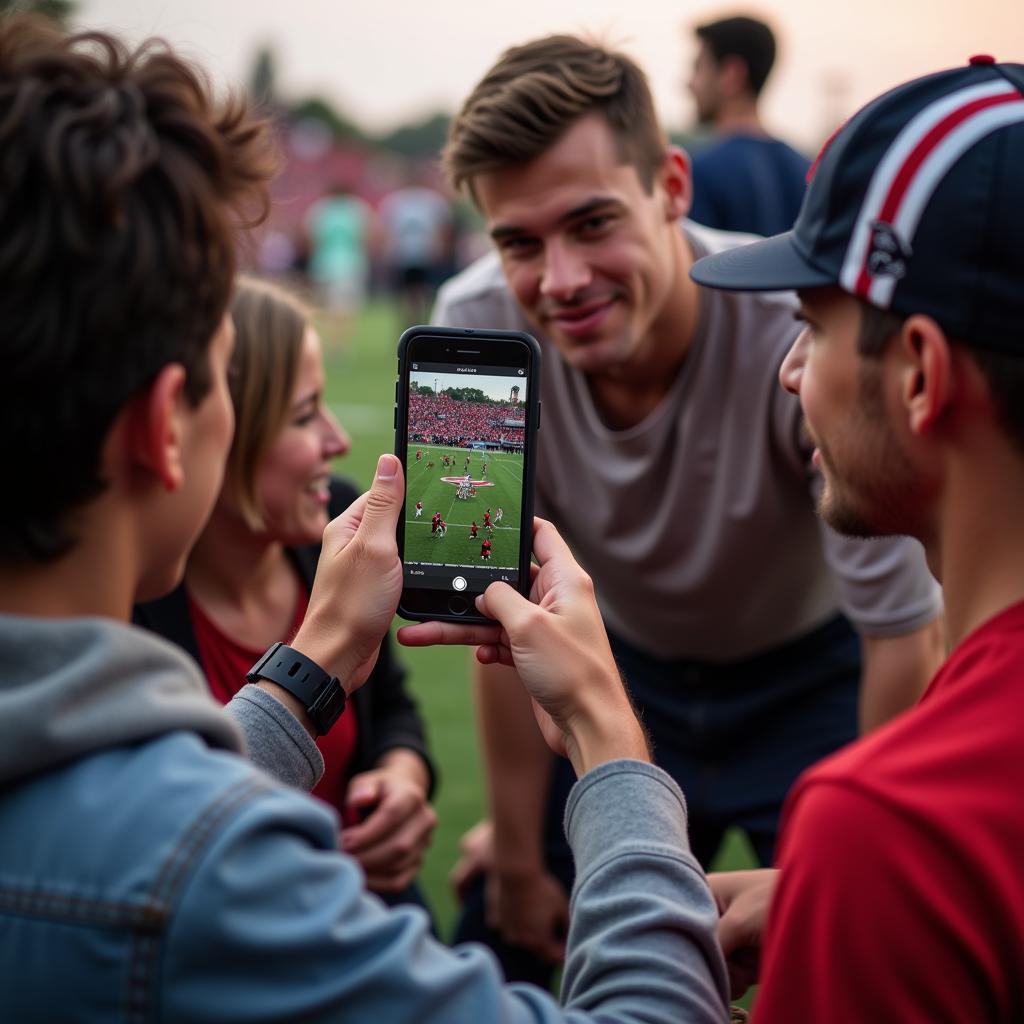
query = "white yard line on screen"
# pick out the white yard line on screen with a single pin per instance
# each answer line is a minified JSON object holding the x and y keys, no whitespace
{"x":510,"y":470}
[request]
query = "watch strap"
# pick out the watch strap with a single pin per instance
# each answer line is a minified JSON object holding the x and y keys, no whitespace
{"x":320,"y":694}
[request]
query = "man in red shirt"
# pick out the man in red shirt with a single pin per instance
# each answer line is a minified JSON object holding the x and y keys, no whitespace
{"x":473,"y":530}
{"x":899,"y":894}
{"x":435,"y":519}
{"x":485,"y":549}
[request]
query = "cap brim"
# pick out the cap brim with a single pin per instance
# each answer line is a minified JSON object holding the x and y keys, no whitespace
{"x":769,"y":265}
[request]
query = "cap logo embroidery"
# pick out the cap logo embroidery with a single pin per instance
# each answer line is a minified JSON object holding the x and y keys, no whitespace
{"x":888,"y":254}
{"x":911,"y":168}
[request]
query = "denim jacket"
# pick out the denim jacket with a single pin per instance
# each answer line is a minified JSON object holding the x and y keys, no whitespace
{"x":149,"y":872}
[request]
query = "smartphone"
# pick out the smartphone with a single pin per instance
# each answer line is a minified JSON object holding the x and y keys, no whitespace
{"x":467,"y":412}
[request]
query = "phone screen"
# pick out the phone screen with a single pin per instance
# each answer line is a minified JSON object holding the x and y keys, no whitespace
{"x":467,"y":411}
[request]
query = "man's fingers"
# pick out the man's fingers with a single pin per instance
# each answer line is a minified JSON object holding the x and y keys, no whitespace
{"x":391,"y":881}
{"x":495,"y":654}
{"x":392,"y":858}
{"x":733,"y":931}
{"x":548,"y":543}
{"x":431,"y":634}
{"x":379,"y":824}
{"x":727,"y":886}
{"x":499,"y":601}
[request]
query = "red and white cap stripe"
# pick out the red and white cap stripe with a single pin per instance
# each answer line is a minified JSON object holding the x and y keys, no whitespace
{"x":917,"y":160}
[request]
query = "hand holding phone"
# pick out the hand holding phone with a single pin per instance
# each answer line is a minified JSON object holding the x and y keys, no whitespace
{"x":557,"y":642}
{"x":466,"y":418}
{"x":356,"y":587}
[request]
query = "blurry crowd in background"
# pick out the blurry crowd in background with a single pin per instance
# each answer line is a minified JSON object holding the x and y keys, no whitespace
{"x":357,"y":216}
{"x":350,"y":220}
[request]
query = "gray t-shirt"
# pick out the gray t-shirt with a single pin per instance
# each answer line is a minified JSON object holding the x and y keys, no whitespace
{"x":698,"y":523}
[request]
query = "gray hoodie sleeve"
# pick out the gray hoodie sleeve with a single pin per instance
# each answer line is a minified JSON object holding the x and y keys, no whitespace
{"x":285,"y":922}
{"x":274,"y":739}
{"x":643,"y":935}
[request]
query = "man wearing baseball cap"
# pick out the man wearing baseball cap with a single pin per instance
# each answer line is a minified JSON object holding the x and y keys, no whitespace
{"x":899,"y":894}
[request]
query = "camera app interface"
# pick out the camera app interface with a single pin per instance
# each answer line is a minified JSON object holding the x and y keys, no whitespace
{"x":464,"y":473}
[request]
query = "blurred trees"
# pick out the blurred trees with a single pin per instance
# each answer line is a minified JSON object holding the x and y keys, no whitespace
{"x":417,"y":140}
{"x":421,"y":139}
{"x":59,"y":10}
{"x":263,"y":78}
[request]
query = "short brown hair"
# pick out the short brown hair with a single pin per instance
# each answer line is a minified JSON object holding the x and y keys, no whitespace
{"x":536,"y":92}
{"x":122,"y":183}
{"x":752,"y":41}
{"x":270,"y":325}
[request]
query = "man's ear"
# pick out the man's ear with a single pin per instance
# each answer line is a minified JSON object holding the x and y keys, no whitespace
{"x":154,"y":427}
{"x":733,"y":76}
{"x":926,"y":382}
{"x":676,"y":183}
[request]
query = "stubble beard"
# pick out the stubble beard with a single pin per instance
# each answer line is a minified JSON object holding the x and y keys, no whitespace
{"x":878,"y":484}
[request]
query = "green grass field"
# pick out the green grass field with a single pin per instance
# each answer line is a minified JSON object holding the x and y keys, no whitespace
{"x":360,"y":390}
{"x":433,"y":484}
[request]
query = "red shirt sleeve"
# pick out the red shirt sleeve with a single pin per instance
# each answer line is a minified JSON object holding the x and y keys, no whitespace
{"x":877,"y":919}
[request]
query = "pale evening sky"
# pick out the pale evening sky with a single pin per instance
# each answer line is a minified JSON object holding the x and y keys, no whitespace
{"x":386,"y":61}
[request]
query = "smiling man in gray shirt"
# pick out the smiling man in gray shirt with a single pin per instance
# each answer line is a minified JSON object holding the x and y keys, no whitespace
{"x":676,"y":468}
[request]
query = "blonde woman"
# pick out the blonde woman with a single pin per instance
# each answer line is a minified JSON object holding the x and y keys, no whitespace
{"x":248,"y":578}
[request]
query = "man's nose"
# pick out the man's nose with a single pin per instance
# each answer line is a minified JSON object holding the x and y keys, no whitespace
{"x":566,"y":272}
{"x":792,"y":368}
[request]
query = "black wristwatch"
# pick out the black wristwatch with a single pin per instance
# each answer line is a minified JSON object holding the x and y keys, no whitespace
{"x":320,"y":694}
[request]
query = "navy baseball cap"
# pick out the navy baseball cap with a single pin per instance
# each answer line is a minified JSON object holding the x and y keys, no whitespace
{"x":916,"y":205}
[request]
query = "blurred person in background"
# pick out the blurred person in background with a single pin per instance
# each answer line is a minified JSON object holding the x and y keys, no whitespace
{"x":744,"y":180}
{"x":340,"y":230}
{"x":248,"y":578}
{"x":416,"y":238}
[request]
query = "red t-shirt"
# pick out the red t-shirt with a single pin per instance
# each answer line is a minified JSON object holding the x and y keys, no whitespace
{"x":901,"y":896}
{"x":225,"y":662}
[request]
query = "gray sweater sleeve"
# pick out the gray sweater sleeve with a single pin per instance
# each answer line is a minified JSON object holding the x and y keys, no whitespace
{"x":294,"y":935}
{"x":275,"y":741}
{"x":643,"y":939}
